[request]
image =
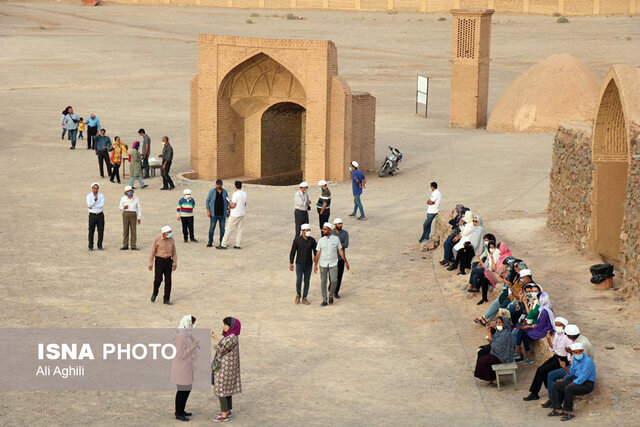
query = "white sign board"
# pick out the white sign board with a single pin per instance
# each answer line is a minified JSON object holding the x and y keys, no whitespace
{"x":422,"y":90}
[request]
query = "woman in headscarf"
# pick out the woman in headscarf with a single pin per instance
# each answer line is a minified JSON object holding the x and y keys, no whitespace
{"x":457,"y":224}
{"x":473,"y":246}
{"x":528,"y":333}
{"x":184,"y":364}
{"x":117,"y":151}
{"x":478,"y":267}
{"x":135,"y":168}
{"x":501,"y":350}
{"x":226,"y":366}
{"x":64,"y":129}
{"x":493,"y":275}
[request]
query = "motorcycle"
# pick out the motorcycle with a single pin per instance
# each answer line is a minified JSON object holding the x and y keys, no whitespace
{"x":390,"y":165}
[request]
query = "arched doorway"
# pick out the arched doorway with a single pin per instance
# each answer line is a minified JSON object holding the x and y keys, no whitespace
{"x":611,"y":169}
{"x":282,"y":138}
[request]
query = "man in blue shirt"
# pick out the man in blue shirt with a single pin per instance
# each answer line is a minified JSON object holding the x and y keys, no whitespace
{"x":358,"y":183}
{"x":580,"y":379}
{"x":93,"y":125}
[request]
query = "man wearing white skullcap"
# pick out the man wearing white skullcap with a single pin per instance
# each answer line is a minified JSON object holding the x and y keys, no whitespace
{"x":558,"y":343}
{"x":301,"y":206}
{"x":324,"y":203}
{"x":165,"y":259}
{"x":580,"y":379}
{"x":343,"y":235}
{"x":186,"y":205}
{"x":359,"y":182}
{"x":131,"y":218}
{"x":95,"y":204}
{"x":329,"y":250}
{"x":304,"y":246}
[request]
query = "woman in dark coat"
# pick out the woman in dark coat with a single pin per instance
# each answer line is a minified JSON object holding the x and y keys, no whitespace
{"x":500,"y":350}
{"x":226,"y":366}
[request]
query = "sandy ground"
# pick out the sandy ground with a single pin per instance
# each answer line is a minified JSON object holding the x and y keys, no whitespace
{"x":399,"y":347}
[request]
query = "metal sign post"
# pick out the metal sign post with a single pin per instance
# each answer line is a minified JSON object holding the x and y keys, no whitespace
{"x":422,"y":93}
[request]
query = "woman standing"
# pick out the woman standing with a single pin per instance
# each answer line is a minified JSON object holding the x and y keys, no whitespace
{"x":500,"y":350}
{"x":226,"y":366}
{"x":135,"y":168}
{"x":117,"y":152}
{"x":184,"y":364}
{"x":64,"y":129}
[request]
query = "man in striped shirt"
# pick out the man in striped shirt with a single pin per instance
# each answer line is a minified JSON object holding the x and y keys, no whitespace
{"x":185,"y":215}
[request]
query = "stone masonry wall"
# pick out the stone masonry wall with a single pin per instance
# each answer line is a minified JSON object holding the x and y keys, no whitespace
{"x":630,"y":236}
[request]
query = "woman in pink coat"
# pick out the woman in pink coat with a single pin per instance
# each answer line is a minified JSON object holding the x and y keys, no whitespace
{"x":183,"y":364}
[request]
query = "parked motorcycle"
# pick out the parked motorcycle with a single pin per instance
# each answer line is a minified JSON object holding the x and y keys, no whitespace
{"x":390,"y":165}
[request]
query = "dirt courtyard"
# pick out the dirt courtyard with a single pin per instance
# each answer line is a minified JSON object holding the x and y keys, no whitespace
{"x":399,"y":347}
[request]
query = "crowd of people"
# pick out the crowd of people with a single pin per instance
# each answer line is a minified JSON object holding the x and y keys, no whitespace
{"x":520,"y":314}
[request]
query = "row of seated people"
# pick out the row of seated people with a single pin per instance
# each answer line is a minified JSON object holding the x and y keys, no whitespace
{"x":520,"y":315}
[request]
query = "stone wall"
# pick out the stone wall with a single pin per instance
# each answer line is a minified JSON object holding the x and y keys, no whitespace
{"x":569,"y":210}
{"x":630,"y":236}
{"x":547,"y":7}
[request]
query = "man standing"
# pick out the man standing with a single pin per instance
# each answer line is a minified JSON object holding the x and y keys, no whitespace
{"x":186,"y":205}
{"x":343,"y":235}
{"x":305,"y":247}
{"x":95,"y":203}
{"x":328,"y":250}
{"x":324,"y":203}
{"x":237,"y":205}
{"x":433,"y":206}
{"x":359,"y":182}
{"x":93,"y":124}
{"x":102,"y":143}
{"x":301,"y":206}
{"x":217,"y":210}
{"x":146,"y":150}
{"x":70,"y":123}
{"x":131,"y":217}
{"x":165,"y":258}
{"x":167,"y":158}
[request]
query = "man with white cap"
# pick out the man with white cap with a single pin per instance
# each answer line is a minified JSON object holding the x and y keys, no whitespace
{"x":186,"y":204}
{"x":358,"y":184}
{"x":95,"y":203}
{"x":131,"y":217}
{"x":301,"y":206}
{"x":574,"y":335}
{"x":328,"y":249}
{"x":324,"y":203}
{"x":165,"y":258}
{"x":558,"y":343}
{"x":580,"y":379}
{"x":343,"y":235}
{"x":305,"y":247}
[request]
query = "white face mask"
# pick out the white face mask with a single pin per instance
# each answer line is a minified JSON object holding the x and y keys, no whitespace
{"x":350,"y":169}
{"x":307,"y":233}
{"x":188,"y":197}
{"x":486,"y":243}
{"x":492,"y":250}
{"x":499,"y":327}
{"x":559,"y":329}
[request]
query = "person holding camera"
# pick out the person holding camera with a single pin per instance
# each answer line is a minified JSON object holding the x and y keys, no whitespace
{"x":70,"y":123}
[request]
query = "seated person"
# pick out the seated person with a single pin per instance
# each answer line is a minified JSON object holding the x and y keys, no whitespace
{"x":558,"y":344}
{"x":469,"y":246}
{"x":574,"y":335}
{"x":580,"y":379}
{"x":456,"y":218}
{"x":527,"y":333}
{"x":488,"y":260}
{"x":502,"y":301}
{"x":504,"y":253}
{"x":466,"y":228}
{"x":499,"y":350}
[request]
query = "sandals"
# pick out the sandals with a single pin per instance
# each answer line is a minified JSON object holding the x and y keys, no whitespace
{"x":481,"y":321}
{"x":567,"y":417}
{"x":555,"y":414}
{"x":221,"y":419}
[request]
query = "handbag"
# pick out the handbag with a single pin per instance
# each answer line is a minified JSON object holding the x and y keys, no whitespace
{"x":484,"y":350}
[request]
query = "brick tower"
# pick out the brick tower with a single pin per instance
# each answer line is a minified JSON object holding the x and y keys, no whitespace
{"x":470,"y":67}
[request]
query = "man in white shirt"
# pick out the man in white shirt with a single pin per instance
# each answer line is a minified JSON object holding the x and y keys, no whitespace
{"x":237,"y":206}
{"x":301,"y":205}
{"x":95,"y":203}
{"x":328,"y":250}
{"x":433,"y":206}
{"x":131,"y":217}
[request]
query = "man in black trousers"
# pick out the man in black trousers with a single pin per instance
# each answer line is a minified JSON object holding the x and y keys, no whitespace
{"x":167,"y":157}
{"x":95,"y":204}
{"x":103,"y":144}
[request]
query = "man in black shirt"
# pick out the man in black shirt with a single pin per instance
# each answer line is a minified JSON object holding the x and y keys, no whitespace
{"x":305,"y":246}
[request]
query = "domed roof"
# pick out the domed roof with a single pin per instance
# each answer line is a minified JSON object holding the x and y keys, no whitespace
{"x":557,"y":89}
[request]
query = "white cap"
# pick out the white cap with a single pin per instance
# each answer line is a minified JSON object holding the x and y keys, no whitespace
{"x":166,"y":229}
{"x":187,"y":191}
{"x":322,"y":182}
{"x":354,"y":163}
{"x":562,"y":320}
{"x":95,"y":183}
{"x":327,"y":224}
{"x":572,"y":330}
{"x":303,"y":184}
{"x":337,"y":221}
{"x":305,"y":227}
{"x":525,"y":272}
{"x":577,"y":346}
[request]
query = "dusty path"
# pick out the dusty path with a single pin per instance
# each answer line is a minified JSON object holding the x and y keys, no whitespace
{"x":399,"y":348}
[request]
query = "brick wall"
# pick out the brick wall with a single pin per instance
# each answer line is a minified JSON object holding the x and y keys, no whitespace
{"x":281,"y":139}
{"x":363,"y":128}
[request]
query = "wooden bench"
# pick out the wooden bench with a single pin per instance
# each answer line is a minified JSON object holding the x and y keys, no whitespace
{"x":506,"y":369}
{"x":154,"y":164}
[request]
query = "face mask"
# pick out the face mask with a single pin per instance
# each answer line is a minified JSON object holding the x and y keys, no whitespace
{"x":486,"y":243}
{"x":499,"y":327}
{"x":307,"y":233}
{"x":492,"y":250}
{"x":169,"y":235}
{"x":559,"y":329}
{"x":188,"y":197}
{"x":350,"y":169}
{"x":578,"y":356}
{"x":129,"y":193}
